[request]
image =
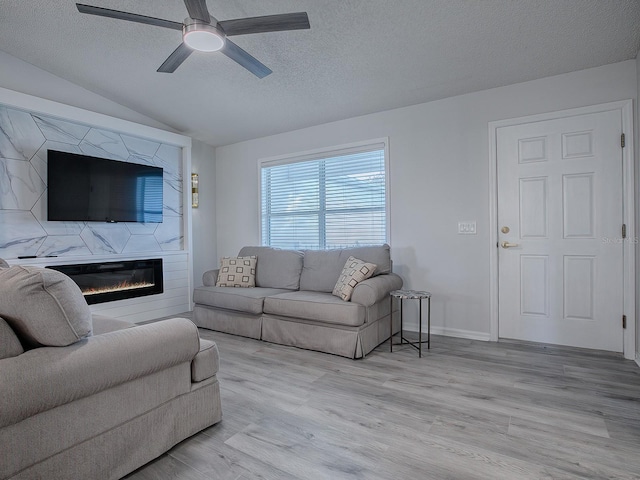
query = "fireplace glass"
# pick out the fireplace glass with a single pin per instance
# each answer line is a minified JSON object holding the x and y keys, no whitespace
{"x":109,"y":281}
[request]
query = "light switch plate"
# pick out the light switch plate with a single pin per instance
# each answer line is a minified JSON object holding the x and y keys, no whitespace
{"x":467,"y":228}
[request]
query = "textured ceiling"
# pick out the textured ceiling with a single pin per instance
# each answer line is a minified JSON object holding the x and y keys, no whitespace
{"x":360,"y":56}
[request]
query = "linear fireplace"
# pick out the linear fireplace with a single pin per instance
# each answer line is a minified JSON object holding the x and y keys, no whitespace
{"x":109,"y":281}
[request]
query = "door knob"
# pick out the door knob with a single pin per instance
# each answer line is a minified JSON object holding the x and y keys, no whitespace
{"x":508,"y":245}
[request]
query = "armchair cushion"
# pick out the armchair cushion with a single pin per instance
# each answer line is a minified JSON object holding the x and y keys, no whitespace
{"x":43,"y":307}
{"x":103,"y":324}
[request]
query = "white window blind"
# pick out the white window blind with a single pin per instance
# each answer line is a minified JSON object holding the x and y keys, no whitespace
{"x":332,"y":202}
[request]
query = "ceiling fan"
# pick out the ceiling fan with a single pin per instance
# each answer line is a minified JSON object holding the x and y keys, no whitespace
{"x":202,"y":32}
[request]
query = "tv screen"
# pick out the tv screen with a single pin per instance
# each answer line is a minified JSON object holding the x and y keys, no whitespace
{"x":83,"y":188}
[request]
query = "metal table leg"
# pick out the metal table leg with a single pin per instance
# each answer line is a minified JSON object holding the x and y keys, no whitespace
{"x":429,"y":323}
{"x":401,"y":329}
{"x":390,"y":323}
{"x":420,"y":331}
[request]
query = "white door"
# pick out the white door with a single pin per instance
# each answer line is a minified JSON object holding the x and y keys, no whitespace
{"x":560,"y":204}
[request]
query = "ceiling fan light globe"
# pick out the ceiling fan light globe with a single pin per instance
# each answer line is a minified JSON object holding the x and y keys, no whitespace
{"x":203,"y":38}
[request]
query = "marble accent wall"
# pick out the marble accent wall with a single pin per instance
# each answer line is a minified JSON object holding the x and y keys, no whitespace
{"x":24,"y":229}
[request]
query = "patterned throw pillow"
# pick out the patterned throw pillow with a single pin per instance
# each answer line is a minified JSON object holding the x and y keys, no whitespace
{"x":237,"y":272}
{"x":354,"y":272}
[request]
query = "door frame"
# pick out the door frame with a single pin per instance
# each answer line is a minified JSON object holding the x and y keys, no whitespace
{"x":625,"y":107}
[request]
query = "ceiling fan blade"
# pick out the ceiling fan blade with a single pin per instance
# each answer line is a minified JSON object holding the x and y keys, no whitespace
{"x":178,"y":56}
{"x":237,"y":54}
{"x":131,"y":17}
{"x":268,"y":23}
{"x":198,"y":10}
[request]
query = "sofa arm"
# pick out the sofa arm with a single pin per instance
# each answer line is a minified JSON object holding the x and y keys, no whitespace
{"x":374,"y":289}
{"x":210,"y":277}
{"x":46,"y":377}
{"x":206,"y":362}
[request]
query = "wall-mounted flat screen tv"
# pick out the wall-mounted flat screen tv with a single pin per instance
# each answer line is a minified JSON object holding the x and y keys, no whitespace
{"x":84,"y":188}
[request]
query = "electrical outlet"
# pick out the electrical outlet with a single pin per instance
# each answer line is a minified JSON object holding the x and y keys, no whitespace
{"x":467,"y":228}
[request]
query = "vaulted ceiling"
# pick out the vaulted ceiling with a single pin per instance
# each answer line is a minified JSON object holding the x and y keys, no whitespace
{"x":359,"y":57}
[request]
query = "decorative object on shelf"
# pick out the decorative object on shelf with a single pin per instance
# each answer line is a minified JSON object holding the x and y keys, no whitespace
{"x":194,"y":190}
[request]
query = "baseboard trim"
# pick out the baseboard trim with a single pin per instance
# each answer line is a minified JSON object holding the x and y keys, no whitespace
{"x":456,"y":332}
{"x":638,"y":358}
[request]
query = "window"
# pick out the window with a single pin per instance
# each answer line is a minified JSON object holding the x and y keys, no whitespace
{"x":334,"y":199}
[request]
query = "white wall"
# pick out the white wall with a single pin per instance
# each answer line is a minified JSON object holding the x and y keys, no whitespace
{"x":439,"y":171}
{"x":204,"y":217}
{"x":23,"y":77}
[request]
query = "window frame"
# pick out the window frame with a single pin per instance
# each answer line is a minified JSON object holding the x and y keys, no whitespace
{"x":329,"y":152}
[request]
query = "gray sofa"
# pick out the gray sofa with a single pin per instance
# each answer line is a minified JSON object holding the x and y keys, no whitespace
{"x":292,"y":303}
{"x":91,"y":397}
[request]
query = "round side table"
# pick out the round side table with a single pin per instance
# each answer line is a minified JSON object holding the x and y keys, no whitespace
{"x":419,"y":295}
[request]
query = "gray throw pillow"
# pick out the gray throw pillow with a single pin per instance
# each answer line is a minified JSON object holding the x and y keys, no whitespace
{"x":10,"y":346}
{"x":44,"y":307}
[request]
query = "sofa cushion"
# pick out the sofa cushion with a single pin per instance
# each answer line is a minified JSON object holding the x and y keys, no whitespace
{"x":316,"y":306}
{"x":44,"y":307}
{"x":237,"y":272}
{"x":322,"y":268}
{"x":205,"y":363}
{"x":249,"y":300}
{"x":276,"y":268}
{"x":354,"y":272}
{"x":10,"y":346}
{"x":103,"y":324}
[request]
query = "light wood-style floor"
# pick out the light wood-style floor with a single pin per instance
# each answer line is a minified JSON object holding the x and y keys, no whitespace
{"x":466,"y":410}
